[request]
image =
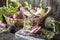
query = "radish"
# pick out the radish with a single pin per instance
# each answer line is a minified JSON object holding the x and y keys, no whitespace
{"x":2,"y":24}
{"x":18,"y":15}
{"x":26,"y":12}
{"x":36,"y":26}
{"x":15,"y":16}
{"x":38,"y":30}
{"x":33,"y":11}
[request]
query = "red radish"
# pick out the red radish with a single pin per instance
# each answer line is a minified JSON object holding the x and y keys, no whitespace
{"x":15,"y":16}
{"x":33,"y":11}
{"x":38,"y":30}
{"x":27,"y":31}
{"x":35,"y":29}
{"x":32,"y":31}
{"x":18,"y":15}
{"x":36,"y":26}
{"x":25,"y":12}
{"x":2,"y":24}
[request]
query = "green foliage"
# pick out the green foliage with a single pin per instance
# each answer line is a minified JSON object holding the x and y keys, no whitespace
{"x":10,"y":8}
{"x":51,"y":23}
{"x":41,"y":4}
{"x":49,"y":34}
{"x":6,"y":11}
{"x":14,"y":4}
{"x":3,"y":11}
{"x":27,"y":5}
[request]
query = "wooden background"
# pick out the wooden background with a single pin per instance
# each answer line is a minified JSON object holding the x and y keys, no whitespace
{"x":55,"y":4}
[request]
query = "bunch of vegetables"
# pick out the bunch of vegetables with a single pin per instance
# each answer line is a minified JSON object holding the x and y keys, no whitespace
{"x":8,"y":10}
{"x":51,"y":23}
{"x":47,"y":33}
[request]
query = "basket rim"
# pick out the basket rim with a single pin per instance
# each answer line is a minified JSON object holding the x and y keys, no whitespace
{"x":21,"y":19}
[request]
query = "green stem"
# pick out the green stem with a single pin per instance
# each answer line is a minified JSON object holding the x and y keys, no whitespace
{"x":41,"y":3}
{"x":54,"y":27}
{"x":7,"y":3}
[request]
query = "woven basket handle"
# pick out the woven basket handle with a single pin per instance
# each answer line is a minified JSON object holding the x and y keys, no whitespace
{"x":49,"y":9}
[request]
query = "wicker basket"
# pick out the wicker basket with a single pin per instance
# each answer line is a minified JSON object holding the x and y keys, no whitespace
{"x":20,"y":22}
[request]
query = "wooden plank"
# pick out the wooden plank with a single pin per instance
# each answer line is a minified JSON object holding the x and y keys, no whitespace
{"x":2,"y":2}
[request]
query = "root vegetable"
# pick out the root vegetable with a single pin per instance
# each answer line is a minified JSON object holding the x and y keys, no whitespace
{"x":2,"y":24}
{"x":26,"y":12}
{"x":33,"y":11}
{"x":15,"y":16}
{"x":18,"y":15}
{"x":38,"y":30}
